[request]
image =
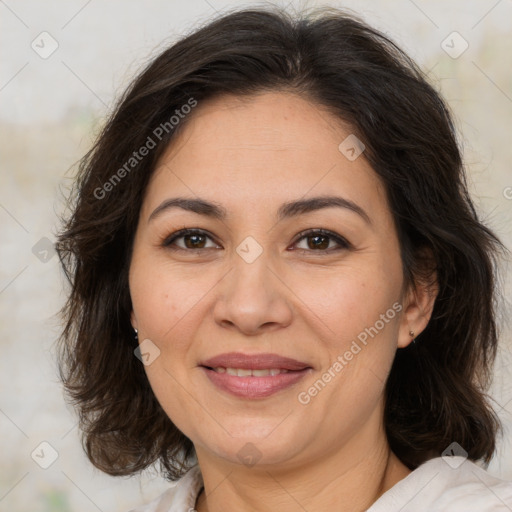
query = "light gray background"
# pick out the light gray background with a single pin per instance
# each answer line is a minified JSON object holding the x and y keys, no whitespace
{"x":50,"y":110}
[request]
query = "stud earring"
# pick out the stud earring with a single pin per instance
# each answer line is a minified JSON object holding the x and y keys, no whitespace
{"x":136,"y":335}
{"x":411,"y":334}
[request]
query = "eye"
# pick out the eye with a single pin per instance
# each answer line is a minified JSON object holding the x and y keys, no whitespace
{"x":317,"y":240}
{"x":193,"y":239}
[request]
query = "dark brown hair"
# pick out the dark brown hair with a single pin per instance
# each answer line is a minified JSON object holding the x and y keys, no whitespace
{"x":435,"y":391}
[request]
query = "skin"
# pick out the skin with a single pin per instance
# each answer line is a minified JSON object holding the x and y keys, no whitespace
{"x":251,"y":155}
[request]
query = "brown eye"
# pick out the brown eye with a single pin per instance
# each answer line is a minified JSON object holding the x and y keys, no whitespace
{"x":193,"y":239}
{"x":319,"y":241}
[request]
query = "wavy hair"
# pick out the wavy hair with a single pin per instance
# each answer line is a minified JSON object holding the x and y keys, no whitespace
{"x":435,"y":392}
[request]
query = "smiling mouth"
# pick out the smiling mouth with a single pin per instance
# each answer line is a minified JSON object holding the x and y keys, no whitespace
{"x":249,"y":383}
{"x":253,"y":376}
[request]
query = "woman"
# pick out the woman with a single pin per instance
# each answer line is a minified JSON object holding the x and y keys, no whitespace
{"x":280,"y":289}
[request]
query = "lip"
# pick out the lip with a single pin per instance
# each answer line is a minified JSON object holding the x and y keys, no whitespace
{"x":254,"y":362}
{"x":254,"y":387}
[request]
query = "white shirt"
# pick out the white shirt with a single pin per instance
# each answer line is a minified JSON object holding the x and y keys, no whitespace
{"x":455,"y":485}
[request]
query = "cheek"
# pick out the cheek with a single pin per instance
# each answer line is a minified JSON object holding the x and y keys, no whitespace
{"x":163,"y":297}
{"x":347,"y":300}
{"x":359,"y":310}
{"x":173,"y":394}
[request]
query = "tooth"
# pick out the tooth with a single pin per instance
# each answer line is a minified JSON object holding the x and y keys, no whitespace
{"x":261,"y":373}
{"x":243,"y":372}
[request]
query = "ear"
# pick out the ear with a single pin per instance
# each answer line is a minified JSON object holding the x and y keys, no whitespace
{"x":418,"y":303}
{"x":133,"y":320}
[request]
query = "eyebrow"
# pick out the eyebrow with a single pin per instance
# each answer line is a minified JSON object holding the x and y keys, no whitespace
{"x":286,"y":210}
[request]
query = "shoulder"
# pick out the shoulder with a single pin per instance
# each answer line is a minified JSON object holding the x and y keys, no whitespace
{"x":447,"y":484}
{"x":181,"y":497}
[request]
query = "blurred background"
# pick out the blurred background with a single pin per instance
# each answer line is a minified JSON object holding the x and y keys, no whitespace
{"x":62,"y":66}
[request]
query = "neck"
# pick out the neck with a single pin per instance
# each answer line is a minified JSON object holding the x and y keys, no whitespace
{"x":351,"y":483}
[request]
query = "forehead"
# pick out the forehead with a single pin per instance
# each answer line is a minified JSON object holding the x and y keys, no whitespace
{"x":270,"y":120}
{"x":255,"y":149}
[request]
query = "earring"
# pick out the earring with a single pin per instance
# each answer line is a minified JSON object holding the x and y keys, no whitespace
{"x":411,"y":334}
{"x":136,"y":335}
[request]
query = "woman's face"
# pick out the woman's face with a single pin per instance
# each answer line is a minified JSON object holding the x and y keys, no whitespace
{"x":262,"y":280}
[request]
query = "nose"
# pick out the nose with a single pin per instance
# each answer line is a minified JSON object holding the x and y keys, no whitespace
{"x":253,"y":298}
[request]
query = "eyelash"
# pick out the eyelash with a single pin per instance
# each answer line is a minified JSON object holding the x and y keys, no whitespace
{"x":344,"y":244}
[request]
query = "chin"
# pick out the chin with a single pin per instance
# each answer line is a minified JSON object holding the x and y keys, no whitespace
{"x":248,"y":445}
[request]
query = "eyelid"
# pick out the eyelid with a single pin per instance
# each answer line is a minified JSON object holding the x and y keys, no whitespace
{"x":167,"y":241}
{"x":343,"y":243}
